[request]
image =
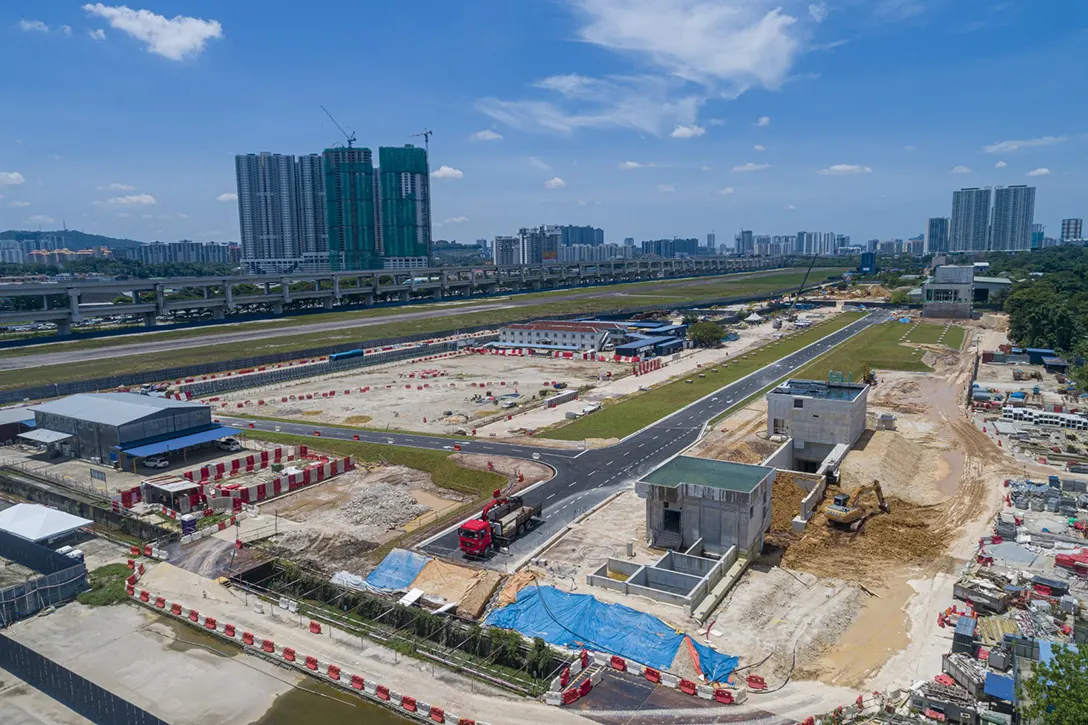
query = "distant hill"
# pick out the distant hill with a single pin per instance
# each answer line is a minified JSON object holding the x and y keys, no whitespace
{"x":73,"y":239}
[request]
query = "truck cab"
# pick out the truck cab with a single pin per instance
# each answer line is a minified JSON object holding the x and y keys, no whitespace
{"x":474,"y":537}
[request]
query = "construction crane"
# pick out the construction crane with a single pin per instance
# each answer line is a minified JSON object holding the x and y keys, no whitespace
{"x":846,"y":511}
{"x":426,"y":134}
{"x":789,"y":313}
{"x":350,"y":138}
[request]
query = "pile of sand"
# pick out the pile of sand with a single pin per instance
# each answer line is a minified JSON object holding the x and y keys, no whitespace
{"x":786,"y":497}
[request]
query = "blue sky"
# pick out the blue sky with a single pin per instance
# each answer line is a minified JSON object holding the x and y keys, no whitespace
{"x":639,"y":116}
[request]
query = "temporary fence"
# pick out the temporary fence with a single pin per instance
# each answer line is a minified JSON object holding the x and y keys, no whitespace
{"x":62,"y":578}
{"x":294,"y":657}
{"x":77,"y":693}
{"x":112,"y":382}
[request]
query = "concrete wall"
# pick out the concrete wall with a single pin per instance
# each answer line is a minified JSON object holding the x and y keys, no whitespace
{"x":818,"y":420}
{"x":781,"y":458}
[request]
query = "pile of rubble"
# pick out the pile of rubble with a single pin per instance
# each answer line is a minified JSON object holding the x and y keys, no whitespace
{"x":383,"y":506}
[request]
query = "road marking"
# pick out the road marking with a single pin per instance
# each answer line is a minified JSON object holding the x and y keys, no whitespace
{"x":550,"y":497}
{"x":571,"y":485}
{"x":592,"y":472}
{"x":654,"y":438}
{"x":609,"y":463}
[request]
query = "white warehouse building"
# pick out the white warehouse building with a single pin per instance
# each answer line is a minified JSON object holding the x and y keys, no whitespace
{"x":562,"y":335}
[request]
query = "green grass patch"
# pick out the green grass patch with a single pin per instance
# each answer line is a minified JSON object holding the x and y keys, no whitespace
{"x":603,"y":300}
{"x":444,"y":472}
{"x":345,"y":426}
{"x":107,"y":586}
{"x":635,"y":412}
{"x":930,"y":334}
{"x":877,"y":346}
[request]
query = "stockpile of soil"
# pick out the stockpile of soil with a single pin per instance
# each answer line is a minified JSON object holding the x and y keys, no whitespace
{"x":908,"y":534}
{"x":325,"y":551}
{"x":786,"y":497}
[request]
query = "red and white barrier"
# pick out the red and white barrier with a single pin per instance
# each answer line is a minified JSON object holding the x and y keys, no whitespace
{"x":329,"y":672}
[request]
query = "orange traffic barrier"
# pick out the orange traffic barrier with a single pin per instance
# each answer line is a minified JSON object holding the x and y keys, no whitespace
{"x":651,"y":674}
{"x":134,"y":550}
{"x":437,"y":714}
{"x":725,"y":697}
{"x":160,"y":602}
{"x":228,"y":629}
{"x":564,"y":677}
{"x":193,"y":615}
{"x":687,"y":687}
{"x":334,"y":672}
{"x":268,"y":645}
{"x":289,"y":654}
{"x":357,"y":682}
{"x":145,"y":596}
{"x":130,"y":590}
{"x":382,"y":692}
{"x":311,"y":663}
{"x":209,"y":623}
{"x":585,"y":687}
{"x":408,"y":703}
{"x":618,"y":663}
{"x":175,"y":609}
{"x":247,"y":638}
{"x":570,"y":695}
{"x":315,"y":628}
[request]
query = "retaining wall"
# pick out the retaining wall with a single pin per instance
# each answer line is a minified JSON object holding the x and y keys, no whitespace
{"x":62,"y":579}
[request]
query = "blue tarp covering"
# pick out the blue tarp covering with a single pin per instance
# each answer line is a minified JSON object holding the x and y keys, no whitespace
{"x":1046,"y":649}
{"x":1000,"y":686}
{"x":580,"y":620}
{"x":177,"y":444}
{"x":398,"y":569}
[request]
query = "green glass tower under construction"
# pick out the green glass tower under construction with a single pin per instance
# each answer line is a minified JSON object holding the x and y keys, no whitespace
{"x":352,"y":209}
{"x":405,"y":204}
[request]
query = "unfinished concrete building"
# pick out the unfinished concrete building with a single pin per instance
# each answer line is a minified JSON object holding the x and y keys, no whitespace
{"x":817,"y":416}
{"x":719,"y":504}
{"x":949,"y":293}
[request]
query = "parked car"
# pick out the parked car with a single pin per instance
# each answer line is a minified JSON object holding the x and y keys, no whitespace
{"x":156,"y":462}
{"x":230,"y":445}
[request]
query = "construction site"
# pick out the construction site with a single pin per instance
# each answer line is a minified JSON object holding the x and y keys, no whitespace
{"x":819,"y":545}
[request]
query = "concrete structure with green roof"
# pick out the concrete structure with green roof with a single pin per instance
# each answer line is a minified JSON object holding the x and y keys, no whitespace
{"x":720,"y":503}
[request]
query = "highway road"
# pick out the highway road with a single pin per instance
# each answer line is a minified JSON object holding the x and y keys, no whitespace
{"x":57,"y":355}
{"x":584,"y":478}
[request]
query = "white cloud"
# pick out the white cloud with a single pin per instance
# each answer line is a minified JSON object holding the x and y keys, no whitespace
{"x":1038,"y":172}
{"x":455,"y":220}
{"x":131,"y":200}
{"x":173,"y":38}
{"x":227,"y":196}
{"x":19,"y":203}
{"x":687,"y":131}
{"x":845,"y":170}
{"x":486,"y":135}
{"x":117,"y":187}
{"x":636,"y":165}
{"x":33,"y":26}
{"x":40,"y":219}
{"x":706,"y":167}
{"x":66,"y":29}
{"x":447,"y":173}
{"x":908,"y":147}
{"x":1007,"y":146}
{"x":694,"y":49}
{"x":789,"y":207}
{"x":731,"y":45}
{"x":759,"y":147}
{"x":726,"y":191}
{"x":538,"y":163}
{"x":817,"y":11}
{"x":642,"y":103}
{"x":1000,"y":165}
{"x":145,"y":216}
{"x":11,"y":178}
{"x":554,"y":183}
{"x":665,"y":188}
{"x":97,"y":34}
{"x":763,"y":121}
{"x":182,"y":215}
{"x":960,"y":170}
{"x":744,"y":168}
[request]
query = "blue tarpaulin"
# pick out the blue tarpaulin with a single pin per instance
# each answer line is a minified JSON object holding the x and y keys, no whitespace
{"x":398,"y":569}
{"x":1001,"y":687}
{"x":580,"y":620}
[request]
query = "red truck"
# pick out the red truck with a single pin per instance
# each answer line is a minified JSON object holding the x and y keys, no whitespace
{"x":503,"y":519}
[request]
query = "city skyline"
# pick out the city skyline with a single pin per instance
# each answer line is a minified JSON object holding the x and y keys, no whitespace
{"x":600,"y":123}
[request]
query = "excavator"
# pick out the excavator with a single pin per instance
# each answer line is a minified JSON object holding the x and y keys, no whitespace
{"x":846,"y":511}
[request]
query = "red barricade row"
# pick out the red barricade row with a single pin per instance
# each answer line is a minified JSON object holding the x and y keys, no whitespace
{"x":175,"y":609}
{"x":228,"y":629}
{"x":311,"y":663}
{"x":618,"y":663}
{"x":585,"y":687}
{"x":289,"y":654}
{"x":357,"y":682}
{"x":145,"y":596}
{"x":334,"y":672}
{"x":687,"y":687}
{"x":160,"y":602}
{"x":408,"y":703}
{"x":570,"y":695}
{"x":651,"y":674}
{"x":725,"y":697}
{"x":247,"y":638}
{"x":194,"y":615}
{"x":382,"y":692}
{"x":268,"y":645}
{"x":209,"y":623}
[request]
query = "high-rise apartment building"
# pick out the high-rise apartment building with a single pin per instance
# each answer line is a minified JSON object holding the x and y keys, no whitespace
{"x":936,"y":237}
{"x":712,"y":242}
{"x":1072,"y":230}
{"x":1013,"y":215}
{"x":969,"y":229}
{"x":268,"y":213}
{"x":183,"y":252}
{"x":628,"y":241}
{"x":745,"y":242}
{"x":313,"y":234}
{"x":405,"y":204}
{"x":539,"y":244}
{"x":351,"y":203}
{"x":570,"y":234}
{"x":506,"y":251}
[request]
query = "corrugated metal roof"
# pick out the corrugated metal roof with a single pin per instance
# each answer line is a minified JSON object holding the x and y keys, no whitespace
{"x":564,"y":326}
{"x":110,"y":408}
{"x":15,"y":415}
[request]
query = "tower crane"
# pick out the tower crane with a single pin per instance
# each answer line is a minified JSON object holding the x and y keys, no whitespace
{"x":350,"y":139}
{"x":426,"y":134}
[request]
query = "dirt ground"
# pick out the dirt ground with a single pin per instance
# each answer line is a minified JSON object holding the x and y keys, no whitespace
{"x":342,"y":519}
{"x":416,"y":395}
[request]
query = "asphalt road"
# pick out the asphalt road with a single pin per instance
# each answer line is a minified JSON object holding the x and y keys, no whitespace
{"x":584,"y":478}
{"x":439,"y":309}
